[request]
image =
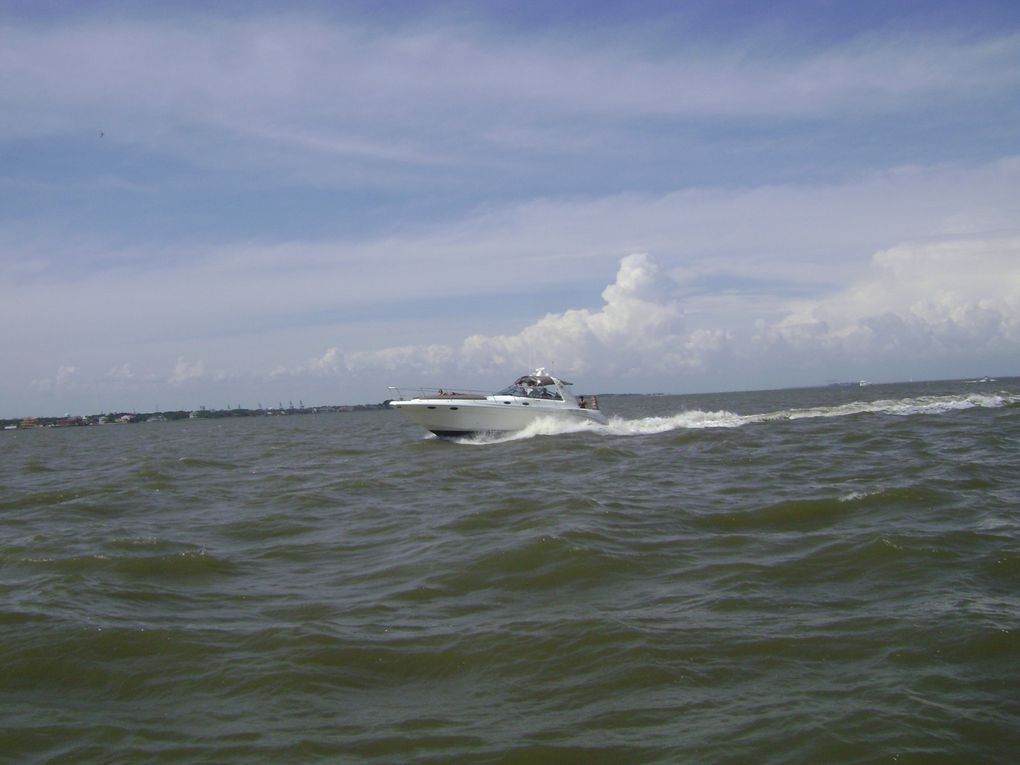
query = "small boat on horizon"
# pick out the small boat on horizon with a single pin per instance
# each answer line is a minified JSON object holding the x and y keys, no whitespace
{"x":453,"y":414}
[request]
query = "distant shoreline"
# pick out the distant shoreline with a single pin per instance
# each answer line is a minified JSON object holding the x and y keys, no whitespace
{"x":125,"y":418}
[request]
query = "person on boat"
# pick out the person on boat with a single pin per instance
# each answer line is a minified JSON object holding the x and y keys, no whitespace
{"x":582,"y":403}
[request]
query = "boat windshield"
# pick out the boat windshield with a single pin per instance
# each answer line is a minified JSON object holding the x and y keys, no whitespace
{"x":524,"y":389}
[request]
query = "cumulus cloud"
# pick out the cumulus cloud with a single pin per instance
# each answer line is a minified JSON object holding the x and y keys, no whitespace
{"x":65,"y":374}
{"x":639,"y":325}
{"x":187,"y":371}
{"x":425,"y":359}
{"x":944,"y":306}
{"x":330,"y":362}
{"x":952,"y":297}
{"x":639,"y":318}
{"x":64,"y":379}
{"x":950,"y":301}
{"x":122,"y":372}
{"x":716,"y":295}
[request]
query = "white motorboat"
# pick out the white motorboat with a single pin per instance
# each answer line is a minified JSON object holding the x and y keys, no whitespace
{"x":462,"y":413}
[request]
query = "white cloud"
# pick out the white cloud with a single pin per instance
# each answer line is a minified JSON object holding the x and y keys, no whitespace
{"x":187,"y":371}
{"x":950,"y":298}
{"x":949,"y":308}
{"x":121,"y":373}
{"x":420,"y":359}
{"x":638,"y":319}
{"x":64,"y":379}
{"x":639,"y":329}
{"x":951,"y":301}
{"x":329,"y":361}
{"x":311,"y":84}
{"x":724,"y":259}
{"x":65,"y":374}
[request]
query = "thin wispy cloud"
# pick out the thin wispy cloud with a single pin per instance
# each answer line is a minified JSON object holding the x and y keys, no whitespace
{"x":329,"y":87}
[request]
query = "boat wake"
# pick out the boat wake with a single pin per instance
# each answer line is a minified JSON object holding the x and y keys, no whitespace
{"x":543,"y":426}
{"x":699,"y":420}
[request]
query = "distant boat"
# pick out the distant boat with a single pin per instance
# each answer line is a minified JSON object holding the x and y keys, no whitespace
{"x":531,"y":397}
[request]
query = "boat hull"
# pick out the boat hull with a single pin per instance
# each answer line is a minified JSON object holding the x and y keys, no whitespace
{"x":453,"y":419}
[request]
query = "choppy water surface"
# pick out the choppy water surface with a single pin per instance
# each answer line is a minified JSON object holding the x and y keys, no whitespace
{"x":824,"y":575}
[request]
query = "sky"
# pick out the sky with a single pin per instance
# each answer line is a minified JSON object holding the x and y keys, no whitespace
{"x":237,"y":204}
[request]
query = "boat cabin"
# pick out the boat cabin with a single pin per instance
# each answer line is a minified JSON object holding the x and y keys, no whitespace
{"x":536,"y":385}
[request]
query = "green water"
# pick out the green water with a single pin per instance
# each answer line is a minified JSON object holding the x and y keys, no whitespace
{"x":826,"y":575}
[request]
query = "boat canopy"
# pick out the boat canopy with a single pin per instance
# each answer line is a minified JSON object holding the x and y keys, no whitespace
{"x":538,"y":378}
{"x":538,"y":384}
